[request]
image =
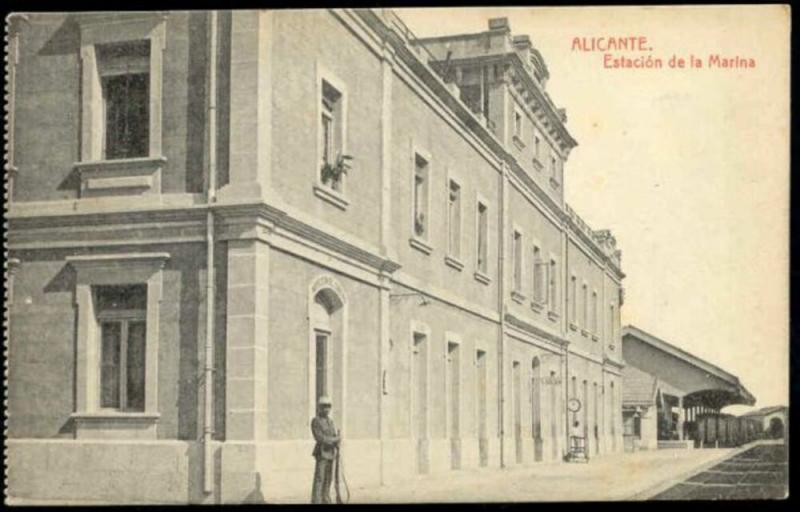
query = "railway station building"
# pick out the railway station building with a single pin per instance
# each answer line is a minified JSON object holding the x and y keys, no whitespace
{"x":217,"y":217}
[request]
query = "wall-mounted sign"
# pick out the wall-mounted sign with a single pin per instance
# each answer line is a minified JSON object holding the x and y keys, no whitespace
{"x":574,"y":405}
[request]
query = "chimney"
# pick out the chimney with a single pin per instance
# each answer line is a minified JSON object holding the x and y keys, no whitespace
{"x":499,"y":24}
{"x":522,"y":42}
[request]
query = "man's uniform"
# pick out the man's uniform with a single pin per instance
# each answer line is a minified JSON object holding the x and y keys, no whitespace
{"x":324,"y":431}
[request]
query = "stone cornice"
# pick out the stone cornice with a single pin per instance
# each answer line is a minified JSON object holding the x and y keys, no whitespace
{"x":187,"y":224}
{"x":610,"y":362}
{"x":534,"y":330}
{"x":275,"y":219}
{"x":555,"y":122}
{"x":106,"y":17}
{"x":581,"y":235}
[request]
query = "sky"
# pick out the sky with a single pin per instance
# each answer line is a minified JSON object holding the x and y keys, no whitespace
{"x":688,"y":167}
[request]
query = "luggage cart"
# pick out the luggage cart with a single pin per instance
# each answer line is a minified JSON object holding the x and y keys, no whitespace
{"x":577,"y":450}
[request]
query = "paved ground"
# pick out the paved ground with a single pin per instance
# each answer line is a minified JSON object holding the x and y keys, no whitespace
{"x":760,"y":472}
{"x":610,"y":477}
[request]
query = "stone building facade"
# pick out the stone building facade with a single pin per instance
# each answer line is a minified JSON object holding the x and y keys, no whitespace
{"x":217,"y":217}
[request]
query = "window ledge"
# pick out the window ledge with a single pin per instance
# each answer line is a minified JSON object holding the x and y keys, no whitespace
{"x":553,"y":183}
{"x":594,"y":337}
{"x":573,"y":326}
{"x":420,"y":245}
{"x":115,"y":425}
{"x":517,"y":297}
{"x":552,"y":315}
{"x":116,"y":416}
{"x":481,"y":277}
{"x":518,"y":142}
{"x":537,"y":306}
{"x":331,"y":196}
{"x":537,"y":164}
{"x":454,"y":262}
{"x":584,"y":332}
{"x":109,"y":177}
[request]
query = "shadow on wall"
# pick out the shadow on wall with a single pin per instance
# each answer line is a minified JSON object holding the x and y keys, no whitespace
{"x":66,"y":39}
{"x":191,"y":300}
{"x":196,"y":106}
{"x":255,"y":496}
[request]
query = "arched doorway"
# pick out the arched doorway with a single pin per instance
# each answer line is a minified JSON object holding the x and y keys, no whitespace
{"x":327,"y":347}
{"x":776,"y":428}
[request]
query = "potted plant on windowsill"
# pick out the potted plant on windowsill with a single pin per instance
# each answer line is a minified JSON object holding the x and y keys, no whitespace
{"x":332,"y":172}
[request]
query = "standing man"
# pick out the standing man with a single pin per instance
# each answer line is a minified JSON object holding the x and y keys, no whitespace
{"x":327,"y":439}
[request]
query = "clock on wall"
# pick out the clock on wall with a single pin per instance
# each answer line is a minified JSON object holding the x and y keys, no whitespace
{"x":574,"y":405}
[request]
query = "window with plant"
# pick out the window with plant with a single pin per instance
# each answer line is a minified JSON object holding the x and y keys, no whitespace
{"x":454,"y":219}
{"x":483,"y":230}
{"x":335,"y":163}
{"x":420,"y":199}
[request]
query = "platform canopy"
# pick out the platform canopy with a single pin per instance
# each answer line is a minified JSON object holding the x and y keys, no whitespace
{"x":698,"y":382}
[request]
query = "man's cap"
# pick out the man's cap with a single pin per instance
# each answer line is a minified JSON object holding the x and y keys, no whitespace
{"x":324,"y":400}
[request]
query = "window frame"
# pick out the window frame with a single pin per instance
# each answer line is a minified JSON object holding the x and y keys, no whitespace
{"x":420,"y":242}
{"x":453,"y":257}
{"x":94,"y":32}
{"x":124,"y":318}
{"x":584,"y":308}
{"x":553,"y":297}
{"x":573,"y":301}
{"x":326,"y":192}
{"x":517,"y":263}
{"x":540,"y":290}
{"x":482,"y":274}
{"x":115,"y":269}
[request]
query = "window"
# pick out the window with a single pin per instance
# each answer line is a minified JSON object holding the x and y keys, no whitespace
{"x":539,"y":276}
{"x":573,"y":300}
{"x":332,"y":166}
{"x":585,"y":306}
{"x":536,"y":147}
{"x":124,"y":70}
{"x":118,"y":300}
{"x":611,"y":324}
{"x":553,"y":165}
{"x":121,"y":72}
{"x":420,"y":196}
{"x":552,"y":286}
{"x":518,"y":124}
{"x":483,"y":231}
{"x":322,"y":346}
{"x":594,"y":312}
{"x":454,"y":219}
{"x":121,"y":314}
{"x":516,"y":253}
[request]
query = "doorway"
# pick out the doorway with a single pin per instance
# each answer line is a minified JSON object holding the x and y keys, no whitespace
{"x":419,"y":375}
{"x":536,"y":409}
{"x":483,"y":438}
{"x":516,"y":384}
{"x":454,"y":403}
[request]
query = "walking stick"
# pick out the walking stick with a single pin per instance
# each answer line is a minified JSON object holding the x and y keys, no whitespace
{"x":338,"y":473}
